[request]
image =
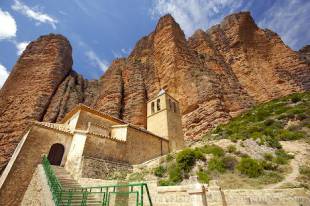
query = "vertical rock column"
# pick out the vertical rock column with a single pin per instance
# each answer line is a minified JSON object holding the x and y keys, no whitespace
{"x":29,"y":89}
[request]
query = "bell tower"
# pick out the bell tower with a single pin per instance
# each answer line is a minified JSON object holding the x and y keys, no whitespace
{"x":164,"y":119}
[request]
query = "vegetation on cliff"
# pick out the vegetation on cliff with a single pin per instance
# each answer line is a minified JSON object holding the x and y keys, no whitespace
{"x":246,"y":152}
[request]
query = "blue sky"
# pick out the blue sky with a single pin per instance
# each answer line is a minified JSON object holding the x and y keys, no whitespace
{"x":102,"y":30}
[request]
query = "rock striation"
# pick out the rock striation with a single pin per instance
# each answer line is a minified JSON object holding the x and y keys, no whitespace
{"x":214,"y":74}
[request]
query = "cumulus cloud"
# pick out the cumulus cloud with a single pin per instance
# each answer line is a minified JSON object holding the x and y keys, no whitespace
{"x":290,"y":19}
{"x":21,"y":46}
{"x":34,"y":14}
{"x":8,"y":26}
{"x":194,"y":14}
{"x":3,"y":74}
{"x":102,"y":64}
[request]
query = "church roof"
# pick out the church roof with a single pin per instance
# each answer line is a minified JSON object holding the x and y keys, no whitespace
{"x":54,"y":126}
{"x":93,"y":111}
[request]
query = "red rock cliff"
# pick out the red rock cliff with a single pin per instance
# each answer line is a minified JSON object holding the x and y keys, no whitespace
{"x":215,"y":75}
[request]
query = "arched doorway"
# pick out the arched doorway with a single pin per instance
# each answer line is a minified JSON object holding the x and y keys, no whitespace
{"x":56,"y":153}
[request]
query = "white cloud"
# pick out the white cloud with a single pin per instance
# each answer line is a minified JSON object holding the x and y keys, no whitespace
{"x":33,"y":13}
{"x":21,"y":46}
{"x":290,"y":19}
{"x":96,"y":61}
{"x":122,"y":53}
{"x":195,"y":14}
{"x":8,"y":26}
{"x":3,"y":75}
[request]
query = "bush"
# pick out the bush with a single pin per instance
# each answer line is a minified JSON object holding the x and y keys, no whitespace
{"x":273,"y":142}
{"x":186,"y":159}
{"x":282,"y":157}
{"x":305,"y":170}
{"x":231,"y":149}
{"x":250,"y":167}
{"x":175,"y":174}
{"x":268,"y":156}
{"x":289,"y":135}
{"x":295,"y":99}
{"x":160,"y":171}
{"x":216,"y":164}
{"x":269,"y":165}
{"x":268,"y":122}
{"x":230,"y":162}
{"x":203,"y":176}
{"x":169,"y":157}
{"x":213,"y":149}
{"x":165,"y":182}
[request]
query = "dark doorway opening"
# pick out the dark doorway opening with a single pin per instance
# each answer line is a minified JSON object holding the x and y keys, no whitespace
{"x":56,"y":153}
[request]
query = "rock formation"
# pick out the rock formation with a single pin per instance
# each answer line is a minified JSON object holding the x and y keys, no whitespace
{"x":214,"y":74}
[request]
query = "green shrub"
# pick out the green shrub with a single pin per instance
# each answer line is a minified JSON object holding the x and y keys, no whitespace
{"x":231,"y":149}
{"x":273,"y":142}
{"x":269,"y":165}
{"x":203,"y":176}
{"x":268,"y":156}
{"x":295,"y":99}
{"x":305,"y":170}
{"x":289,"y":135}
{"x":282,"y":157}
{"x":175,"y":174}
{"x":216,"y":164}
{"x":165,"y":182}
{"x":269,"y":122}
{"x":230,"y":162}
{"x":160,"y":171}
{"x":169,"y":157}
{"x":271,"y":178}
{"x":250,"y":167}
{"x":213,"y":149}
{"x":186,"y":159}
{"x":198,"y":154}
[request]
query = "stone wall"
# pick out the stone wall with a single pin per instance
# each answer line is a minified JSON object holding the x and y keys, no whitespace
{"x":184,"y":196}
{"x":143,"y":146}
{"x":104,"y":169}
{"x":37,"y":143}
{"x":38,"y":192}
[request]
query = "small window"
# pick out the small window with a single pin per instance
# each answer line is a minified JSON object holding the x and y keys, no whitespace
{"x":170,"y":105}
{"x":158,"y":104}
{"x":174,"y":107}
{"x":153,"y":107}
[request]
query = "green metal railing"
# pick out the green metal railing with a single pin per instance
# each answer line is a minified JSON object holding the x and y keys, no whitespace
{"x":101,"y":195}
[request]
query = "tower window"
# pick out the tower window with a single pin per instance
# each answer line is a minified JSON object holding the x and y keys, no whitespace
{"x":158,"y":104}
{"x":153,"y":107}
{"x":170,"y":105}
{"x":174,"y":107}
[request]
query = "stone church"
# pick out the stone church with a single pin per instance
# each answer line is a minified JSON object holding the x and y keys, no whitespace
{"x":86,"y":138}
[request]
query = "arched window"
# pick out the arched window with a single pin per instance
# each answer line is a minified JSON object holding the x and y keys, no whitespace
{"x":153,"y":107}
{"x":158,"y":104}
{"x":56,"y":153}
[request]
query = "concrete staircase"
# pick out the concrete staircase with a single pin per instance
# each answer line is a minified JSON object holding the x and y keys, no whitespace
{"x":68,"y":182}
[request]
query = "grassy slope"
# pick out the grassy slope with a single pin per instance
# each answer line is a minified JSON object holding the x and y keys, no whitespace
{"x":286,"y":118}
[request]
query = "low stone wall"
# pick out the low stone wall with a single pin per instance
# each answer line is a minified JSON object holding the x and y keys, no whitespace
{"x":38,"y":192}
{"x":104,"y":169}
{"x":189,"y":195}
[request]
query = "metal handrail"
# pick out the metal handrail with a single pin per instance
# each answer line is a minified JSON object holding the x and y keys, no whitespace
{"x":64,"y":197}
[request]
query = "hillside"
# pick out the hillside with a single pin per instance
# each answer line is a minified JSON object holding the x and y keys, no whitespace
{"x":215,"y":75}
{"x":266,"y":147}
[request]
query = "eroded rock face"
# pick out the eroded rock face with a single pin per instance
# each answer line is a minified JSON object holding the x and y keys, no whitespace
{"x":41,"y":86}
{"x":214,"y":74}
